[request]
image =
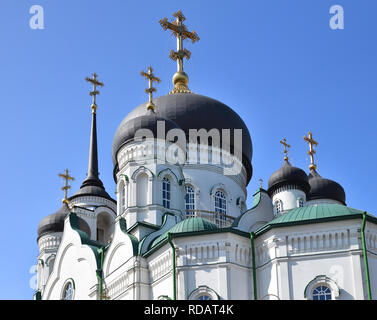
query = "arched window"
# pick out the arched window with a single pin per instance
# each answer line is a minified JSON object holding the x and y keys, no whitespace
{"x":322,"y":288}
{"x":166,"y":193}
{"x":68,"y":291}
{"x":203,"y":293}
{"x":278,"y":206}
{"x":300,"y":202}
{"x":142,"y":189}
{"x":220,"y":204}
{"x":51,"y":264}
{"x":190,"y":200}
{"x":122,"y":197}
{"x":321,"y":292}
{"x":103,"y":227}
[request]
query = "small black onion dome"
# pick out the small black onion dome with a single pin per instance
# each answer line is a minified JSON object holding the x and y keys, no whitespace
{"x":288,"y":175}
{"x":55,"y":222}
{"x":321,"y":188}
{"x":127,"y":129}
{"x":194,"y":111}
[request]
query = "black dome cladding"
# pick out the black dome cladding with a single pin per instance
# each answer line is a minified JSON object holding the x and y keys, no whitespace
{"x":288,"y":174}
{"x":55,"y":222}
{"x":91,"y":191}
{"x":193,"y":111}
{"x":321,"y":188}
{"x":127,"y":129}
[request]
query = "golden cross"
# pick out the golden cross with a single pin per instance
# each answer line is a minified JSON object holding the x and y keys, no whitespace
{"x":180,"y":31}
{"x":261,"y":183}
{"x":151,"y":78}
{"x":94,"y":93}
{"x":286,"y":145}
{"x":311,"y":151}
{"x":66,"y":177}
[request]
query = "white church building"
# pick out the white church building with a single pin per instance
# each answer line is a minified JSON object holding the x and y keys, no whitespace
{"x":179,"y":227}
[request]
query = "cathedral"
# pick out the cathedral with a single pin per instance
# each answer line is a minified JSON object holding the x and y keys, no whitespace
{"x":179,"y":228}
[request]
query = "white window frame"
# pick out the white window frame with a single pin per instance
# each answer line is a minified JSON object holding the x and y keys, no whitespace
{"x":203,"y":291}
{"x":68,"y":282}
{"x":300,"y":201}
{"x":222,"y":209}
{"x":166,"y":194}
{"x":321,"y":280}
{"x":191,"y":204}
{"x":278,"y":203}
{"x":321,"y":290}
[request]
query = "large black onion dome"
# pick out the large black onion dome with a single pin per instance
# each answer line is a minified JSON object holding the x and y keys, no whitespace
{"x":288,"y":175}
{"x":55,"y":222}
{"x":127,"y":129}
{"x":321,"y":188}
{"x":193,"y":111}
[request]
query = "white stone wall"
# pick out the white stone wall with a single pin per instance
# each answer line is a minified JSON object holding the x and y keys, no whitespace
{"x":289,"y":199}
{"x":289,"y":258}
{"x":221,"y":264}
{"x":206,"y":181}
{"x":138,"y":160}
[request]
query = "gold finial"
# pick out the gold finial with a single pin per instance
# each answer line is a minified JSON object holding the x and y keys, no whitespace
{"x":94,"y":93}
{"x":179,"y":30}
{"x":311,"y":151}
{"x":151,"y":77}
{"x":286,"y":145}
{"x":105,"y":295}
{"x":261,"y":183}
{"x":66,"y":177}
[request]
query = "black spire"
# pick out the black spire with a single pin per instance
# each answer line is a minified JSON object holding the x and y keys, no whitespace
{"x":92,"y":185}
{"x":92,"y":178}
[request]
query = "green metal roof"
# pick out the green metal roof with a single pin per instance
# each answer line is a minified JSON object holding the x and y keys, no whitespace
{"x":134,"y":240}
{"x":315,"y":214}
{"x":187,"y":225}
{"x":94,"y":245}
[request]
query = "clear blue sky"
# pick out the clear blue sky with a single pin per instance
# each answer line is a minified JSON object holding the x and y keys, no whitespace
{"x":277,"y":63}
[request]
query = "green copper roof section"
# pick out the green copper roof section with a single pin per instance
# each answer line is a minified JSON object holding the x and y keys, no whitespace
{"x":187,"y":225}
{"x":94,"y":245}
{"x":317,"y":212}
{"x":151,"y":235}
{"x":314,"y":214}
{"x":134,"y":240}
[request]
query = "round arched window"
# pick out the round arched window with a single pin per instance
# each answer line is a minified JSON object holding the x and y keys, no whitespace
{"x":203,"y":293}
{"x":321,"y":292}
{"x":68,"y":291}
{"x":220,"y":202}
{"x":322,"y":288}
